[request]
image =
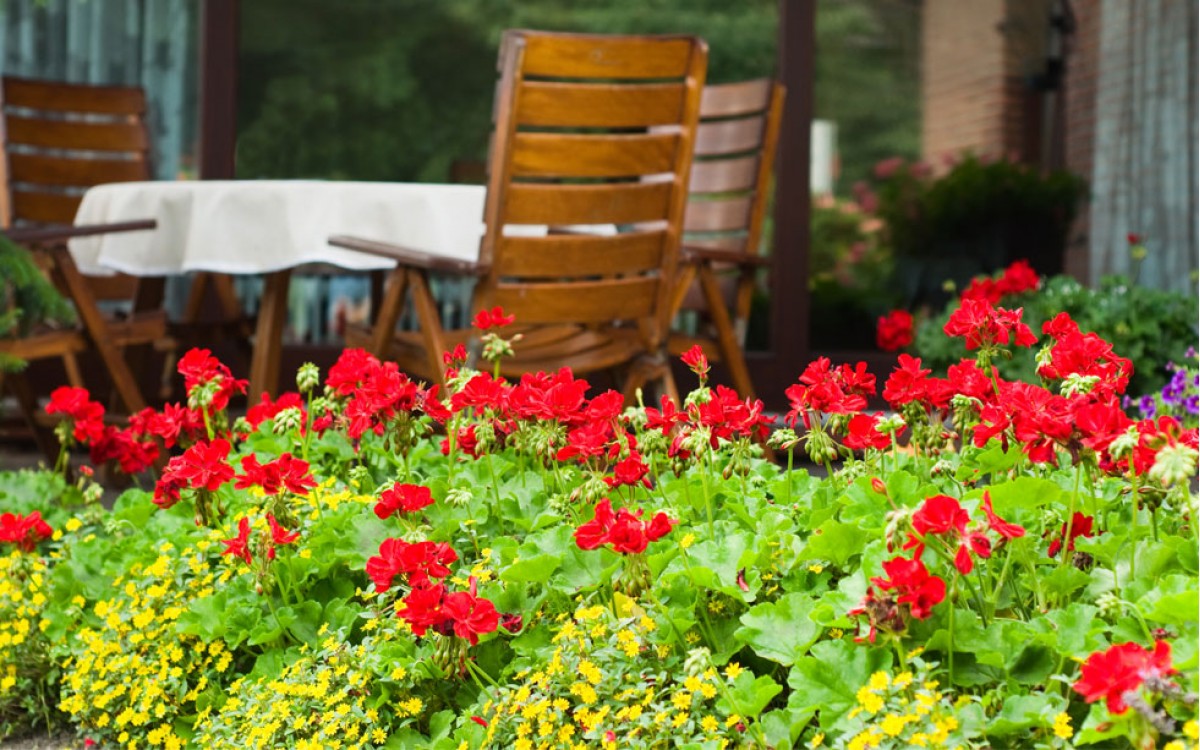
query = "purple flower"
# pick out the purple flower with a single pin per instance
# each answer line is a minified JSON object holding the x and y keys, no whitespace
{"x":1192,"y":404}
{"x":1146,"y":406}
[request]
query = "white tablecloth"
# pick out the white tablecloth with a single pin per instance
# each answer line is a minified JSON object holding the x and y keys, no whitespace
{"x":258,"y":226}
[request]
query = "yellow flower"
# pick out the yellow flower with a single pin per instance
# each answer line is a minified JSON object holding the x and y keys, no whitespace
{"x":817,"y":740}
{"x":733,"y":669}
{"x":687,"y":540}
{"x":1062,"y":726}
{"x":1191,"y":730}
{"x":870,"y":702}
{"x":879,"y":682}
{"x":816,"y":568}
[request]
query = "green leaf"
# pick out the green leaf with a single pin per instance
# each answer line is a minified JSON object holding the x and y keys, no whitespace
{"x":780,"y":631}
{"x":749,"y":695}
{"x":827,"y":680}
{"x":1021,"y":713}
{"x":537,"y":569}
{"x":1073,"y":629}
{"x":836,"y":542}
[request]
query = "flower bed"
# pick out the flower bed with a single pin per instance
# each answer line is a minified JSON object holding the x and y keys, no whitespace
{"x":373,"y":563}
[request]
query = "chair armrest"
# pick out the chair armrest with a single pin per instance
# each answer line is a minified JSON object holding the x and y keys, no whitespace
{"x":692,"y":254}
{"x":56,"y":234}
{"x":407,"y":257}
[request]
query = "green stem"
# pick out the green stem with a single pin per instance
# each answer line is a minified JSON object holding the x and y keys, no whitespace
{"x":791,"y":452}
{"x":495,"y":485}
{"x":950,"y":654}
{"x":1070,"y":527}
{"x":708,"y":508}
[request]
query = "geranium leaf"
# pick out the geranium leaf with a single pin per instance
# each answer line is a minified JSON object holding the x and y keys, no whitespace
{"x":780,"y":631}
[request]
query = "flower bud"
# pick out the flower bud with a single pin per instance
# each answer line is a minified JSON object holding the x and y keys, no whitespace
{"x":308,"y":377}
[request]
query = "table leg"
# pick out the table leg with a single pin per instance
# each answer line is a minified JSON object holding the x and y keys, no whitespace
{"x":268,"y":337}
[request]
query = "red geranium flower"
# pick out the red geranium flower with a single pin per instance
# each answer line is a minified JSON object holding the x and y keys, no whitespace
{"x":471,"y":616}
{"x":239,"y":546}
{"x":914,"y":585}
{"x":494,"y":318}
{"x":203,"y":465}
{"x":863,"y":433}
{"x":997,"y":524}
{"x":403,"y":498}
{"x":984,"y":326}
{"x":894,"y":330}
{"x":24,"y":531}
{"x":284,"y":473}
{"x":1122,"y":669}
{"x":86,"y":415}
{"x":280,"y":535}
{"x":625,"y":532}
{"x":696,"y":361}
{"x":1081,"y":526}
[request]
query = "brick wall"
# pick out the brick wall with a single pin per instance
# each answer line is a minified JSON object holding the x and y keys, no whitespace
{"x":963,"y":71}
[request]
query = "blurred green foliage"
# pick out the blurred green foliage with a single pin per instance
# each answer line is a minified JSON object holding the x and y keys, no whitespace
{"x":400,"y":89}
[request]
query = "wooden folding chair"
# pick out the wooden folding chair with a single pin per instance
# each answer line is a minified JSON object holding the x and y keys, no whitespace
{"x":730,"y":185}
{"x":60,"y":139}
{"x":572,"y":147}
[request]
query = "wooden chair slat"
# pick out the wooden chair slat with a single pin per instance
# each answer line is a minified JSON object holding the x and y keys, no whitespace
{"x":50,"y":96}
{"x":577,"y":155}
{"x":602,"y":301}
{"x":717,"y":215}
{"x":560,"y":205}
{"x":588,"y":56}
{"x":724,"y":175}
{"x":48,"y":208}
{"x":85,"y":136}
{"x":729,"y":136}
{"x":116,"y":287}
{"x":734,"y":99}
{"x":734,"y":243}
{"x":579,"y":255}
{"x":64,"y":171}
{"x":554,"y":104}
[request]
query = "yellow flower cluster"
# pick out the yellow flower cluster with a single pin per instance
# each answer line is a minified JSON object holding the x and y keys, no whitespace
{"x":317,"y":702}
{"x":902,"y":712}
{"x":604,"y":686}
{"x":24,"y":651}
{"x":131,"y":677}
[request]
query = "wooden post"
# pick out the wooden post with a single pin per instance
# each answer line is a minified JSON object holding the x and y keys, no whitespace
{"x":790,"y":321}
{"x":218,"y":88}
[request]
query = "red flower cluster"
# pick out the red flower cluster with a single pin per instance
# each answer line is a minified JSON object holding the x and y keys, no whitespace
{"x":239,"y":546}
{"x":284,"y":473}
{"x":1017,"y":278}
{"x":461,"y":613}
{"x":1081,"y":526}
{"x":267,"y":409}
{"x":87,"y":416}
{"x":826,"y":389}
{"x":985,"y":326}
{"x":862,"y":432}
{"x":943,"y":518}
{"x":199,"y":366}
{"x":894,"y":330}
{"x":494,"y":318}
{"x":377,"y":394}
{"x":1121,"y":670}
{"x":908,"y":582}
{"x":24,"y":531}
{"x":696,"y":361}
{"x":403,"y":498}
{"x":202,"y":466}
{"x":420,"y":562}
{"x":625,"y":532}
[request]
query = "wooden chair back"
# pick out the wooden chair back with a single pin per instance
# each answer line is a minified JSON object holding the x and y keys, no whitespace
{"x":593,"y":131}
{"x":731,"y":177}
{"x":59,"y":140}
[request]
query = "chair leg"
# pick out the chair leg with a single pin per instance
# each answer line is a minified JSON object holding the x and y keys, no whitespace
{"x":391,"y":304}
{"x":76,"y":287}
{"x":71,"y":365}
{"x":27,"y":402}
{"x":430,"y":324}
{"x":647,"y":369}
{"x":731,"y":351}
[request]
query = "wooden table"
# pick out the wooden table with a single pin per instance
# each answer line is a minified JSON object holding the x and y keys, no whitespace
{"x":272,"y":227}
